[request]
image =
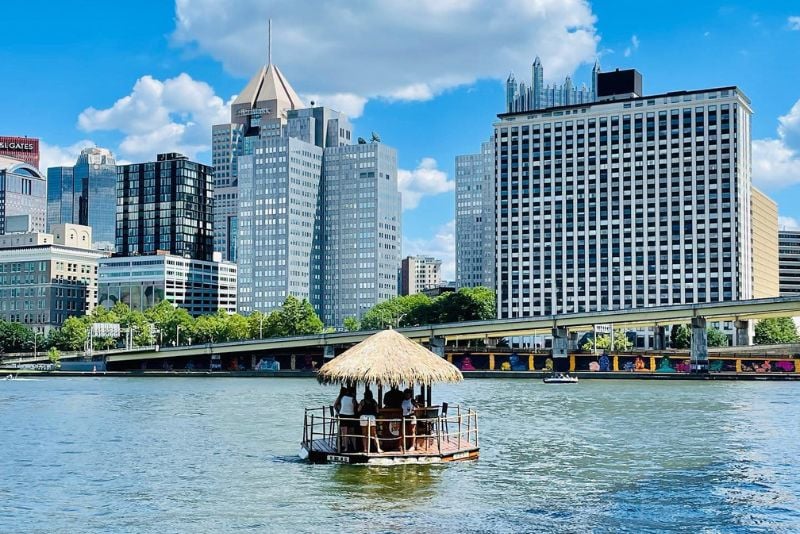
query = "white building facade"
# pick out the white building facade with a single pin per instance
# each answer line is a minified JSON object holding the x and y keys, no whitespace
{"x":629,"y":202}
{"x":200,"y":287}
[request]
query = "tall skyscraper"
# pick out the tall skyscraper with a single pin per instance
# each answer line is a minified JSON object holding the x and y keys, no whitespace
{"x":317,"y":217}
{"x":83,"y":194}
{"x":361,"y":229}
{"x":628,"y":202}
{"x":537,"y":95}
{"x":23,"y":192}
{"x":165,"y":205}
{"x":418,"y":273}
{"x":268,"y":96}
{"x":475,"y":206}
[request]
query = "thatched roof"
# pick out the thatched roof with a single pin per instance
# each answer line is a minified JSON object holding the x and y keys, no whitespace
{"x":388,"y":358}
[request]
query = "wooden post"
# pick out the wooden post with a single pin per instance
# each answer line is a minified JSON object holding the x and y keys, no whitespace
{"x":429,"y":396}
{"x":459,"y":431}
{"x":403,"y":434}
{"x":616,"y":363}
{"x":292,"y":365}
{"x":738,"y":365}
{"x":530,"y":362}
{"x":469,"y":422}
{"x":380,"y":395}
{"x":450,"y":358}
{"x":491,"y":361}
{"x":652,"y":363}
{"x":571,"y":362}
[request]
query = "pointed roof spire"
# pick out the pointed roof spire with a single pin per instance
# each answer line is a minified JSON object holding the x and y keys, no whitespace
{"x":537,"y":61}
{"x":268,"y":89}
{"x":596,"y":67}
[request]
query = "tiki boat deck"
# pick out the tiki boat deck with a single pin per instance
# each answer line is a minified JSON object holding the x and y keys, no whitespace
{"x":438,"y":438}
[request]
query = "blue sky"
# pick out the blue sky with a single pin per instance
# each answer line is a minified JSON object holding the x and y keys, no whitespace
{"x":154,"y":75}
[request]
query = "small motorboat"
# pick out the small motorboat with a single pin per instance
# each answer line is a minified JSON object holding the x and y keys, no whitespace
{"x":560,"y":379}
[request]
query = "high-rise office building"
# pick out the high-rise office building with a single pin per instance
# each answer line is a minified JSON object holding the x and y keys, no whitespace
{"x":475,"y":218}
{"x":630,"y":201}
{"x":268,"y":96}
{"x":165,"y":205}
{"x":521,"y":97}
{"x":765,"y":246}
{"x":47,"y":277}
{"x":789,"y":262}
{"x":418,"y":273}
{"x":83,"y":194}
{"x":361,"y":229}
{"x":318,"y":217}
{"x":23,"y":192}
{"x":22,"y":148}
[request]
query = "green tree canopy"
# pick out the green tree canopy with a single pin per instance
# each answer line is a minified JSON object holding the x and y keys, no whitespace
{"x":72,"y":335}
{"x":398,"y":311}
{"x":715,"y":337}
{"x":776,"y":330}
{"x":621,"y":343}
{"x":351,"y":324}
{"x":680,"y":337}
{"x":15,"y":337}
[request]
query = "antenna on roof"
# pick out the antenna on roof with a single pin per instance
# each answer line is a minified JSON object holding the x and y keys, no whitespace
{"x":269,"y":43}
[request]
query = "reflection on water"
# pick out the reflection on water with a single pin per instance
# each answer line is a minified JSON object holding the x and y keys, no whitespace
{"x":386,"y":486}
{"x":219,"y":455}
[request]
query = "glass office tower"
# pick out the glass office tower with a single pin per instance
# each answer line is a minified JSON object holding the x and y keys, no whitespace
{"x":83,"y":194}
{"x":165,"y":205}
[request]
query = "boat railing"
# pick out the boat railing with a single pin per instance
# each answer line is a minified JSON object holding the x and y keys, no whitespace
{"x":326,"y":431}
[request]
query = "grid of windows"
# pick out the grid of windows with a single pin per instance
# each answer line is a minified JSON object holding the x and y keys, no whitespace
{"x":165,"y":205}
{"x":475,"y":218}
{"x":624,"y":204}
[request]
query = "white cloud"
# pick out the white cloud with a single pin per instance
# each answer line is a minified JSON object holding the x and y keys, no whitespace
{"x":161,"y":116}
{"x":425,"y":180}
{"x":350,"y":104}
{"x":794,"y":23}
{"x":788,"y":223}
{"x":61,"y":156}
{"x":410,"y":50}
{"x":442,"y":245}
{"x":776,"y":162}
{"x":632,"y":48}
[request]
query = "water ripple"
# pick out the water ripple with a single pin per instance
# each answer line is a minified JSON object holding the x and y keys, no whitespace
{"x":184,"y":455}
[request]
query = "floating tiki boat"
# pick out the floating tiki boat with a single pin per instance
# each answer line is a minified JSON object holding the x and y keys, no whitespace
{"x":428,"y":434}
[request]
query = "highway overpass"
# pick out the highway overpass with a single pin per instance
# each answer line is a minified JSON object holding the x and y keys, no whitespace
{"x":498,"y":328}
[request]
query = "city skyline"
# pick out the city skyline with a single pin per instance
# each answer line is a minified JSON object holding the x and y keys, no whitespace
{"x":174,"y":77}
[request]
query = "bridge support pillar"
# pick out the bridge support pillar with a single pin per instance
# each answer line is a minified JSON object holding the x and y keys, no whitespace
{"x":572,"y":341}
{"x":660,"y":337}
{"x":437,"y":344}
{"x":560,"y":349}
{"x":699,"y":355}
{"x":742,"y":337}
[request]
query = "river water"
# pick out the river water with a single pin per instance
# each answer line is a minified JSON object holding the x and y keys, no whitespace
{"x":219,"y":455}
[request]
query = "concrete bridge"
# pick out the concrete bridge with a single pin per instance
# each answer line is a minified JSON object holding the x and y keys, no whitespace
{"x":562,"y":327}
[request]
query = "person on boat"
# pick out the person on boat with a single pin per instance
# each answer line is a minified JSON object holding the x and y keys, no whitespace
{"x":345,"y":407}
{"x":368,"y":408}
{"x":410,"y":418}
{"x":393,"y":398}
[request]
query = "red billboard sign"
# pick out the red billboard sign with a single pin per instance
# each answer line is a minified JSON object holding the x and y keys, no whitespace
{"x":23,"y":148}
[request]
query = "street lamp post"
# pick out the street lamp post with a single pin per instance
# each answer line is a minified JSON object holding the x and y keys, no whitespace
{"x":177,"y":334}
{"x":261,"y":327}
